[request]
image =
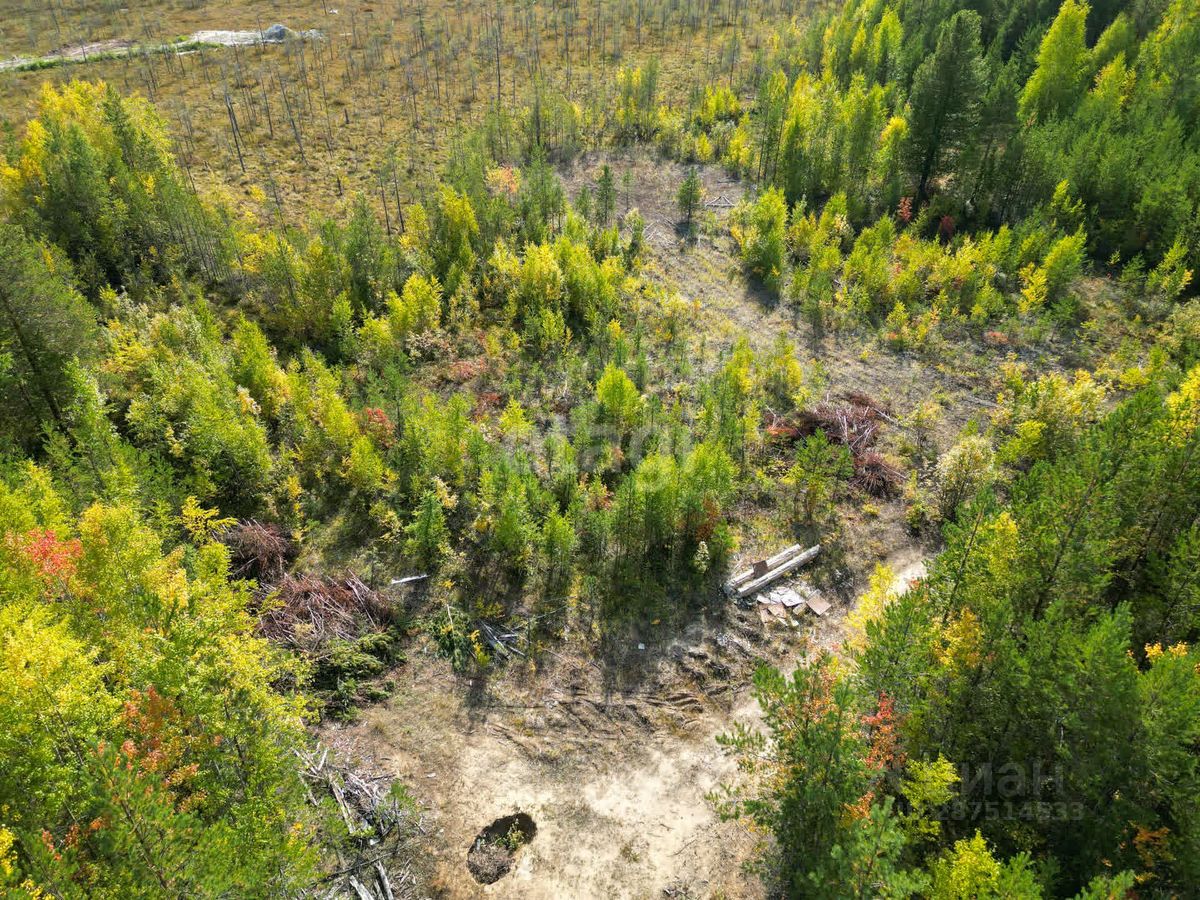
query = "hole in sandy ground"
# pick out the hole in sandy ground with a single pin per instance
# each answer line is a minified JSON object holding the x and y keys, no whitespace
{"x":493,"y":850}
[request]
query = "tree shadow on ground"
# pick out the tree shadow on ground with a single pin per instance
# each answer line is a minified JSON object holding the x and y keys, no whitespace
{"x":635,"y":643}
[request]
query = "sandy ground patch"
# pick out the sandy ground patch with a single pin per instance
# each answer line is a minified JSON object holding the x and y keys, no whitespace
{"x":616,"y":780}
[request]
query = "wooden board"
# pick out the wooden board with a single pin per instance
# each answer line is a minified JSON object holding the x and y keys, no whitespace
{"x":818,"y":604}
{"x":761,"y":567}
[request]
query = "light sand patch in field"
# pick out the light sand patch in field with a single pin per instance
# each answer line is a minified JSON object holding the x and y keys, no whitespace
{"x":617,"y":783}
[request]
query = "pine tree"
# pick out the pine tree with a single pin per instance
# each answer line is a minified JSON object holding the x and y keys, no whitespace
{"x":558,"y":548}
{"x":762,"y":239}
{"x":620,"y":402}
{"x":606,"y":196}
{"x":813,"y":783}
{"x":970,"y":870}
{"x":945,"y":96}
{"x":44,"y":323}
{"x":583,"y":203}
{"x":814,"y":476}
{"x":427,"y":534}
{"x":689,"y":196}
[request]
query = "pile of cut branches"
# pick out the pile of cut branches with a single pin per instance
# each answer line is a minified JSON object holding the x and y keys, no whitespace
{"x":350,"y":633}
{"x":375,"y":858}
{"x":310,"y":612}
{"x":874,"y":474}
{"x":259,"y":550}
{"x":856,"y":424}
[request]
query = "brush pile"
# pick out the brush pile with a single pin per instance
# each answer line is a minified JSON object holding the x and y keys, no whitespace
{"x":312,"y":611}
{"x":382,"y":829}
{"x":259,"y":550}
{"x":874,"y":474}
{"x":854,"y":423}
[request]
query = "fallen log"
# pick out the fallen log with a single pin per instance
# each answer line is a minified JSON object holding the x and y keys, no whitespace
{"x":360,"y":890}
{"x":762,"y":567}
{"x":384,"y":882}
{"x":761,"y":581}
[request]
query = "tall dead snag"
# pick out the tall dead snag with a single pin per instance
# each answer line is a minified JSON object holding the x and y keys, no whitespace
{"x":237,"y":137}
{"x":287,"y":107}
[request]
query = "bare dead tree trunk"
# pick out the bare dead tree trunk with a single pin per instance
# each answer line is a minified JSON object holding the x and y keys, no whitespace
{"x":233,"y":127}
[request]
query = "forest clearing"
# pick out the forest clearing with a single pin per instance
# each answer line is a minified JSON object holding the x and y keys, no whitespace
{"x":615,"y":761}
{"x":600,"y":448}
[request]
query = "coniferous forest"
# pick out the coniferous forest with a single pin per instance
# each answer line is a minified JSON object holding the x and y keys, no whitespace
{"x":390,"y":395}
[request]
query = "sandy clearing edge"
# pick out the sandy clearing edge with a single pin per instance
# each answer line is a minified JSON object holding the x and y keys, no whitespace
{"x":81,"y":53}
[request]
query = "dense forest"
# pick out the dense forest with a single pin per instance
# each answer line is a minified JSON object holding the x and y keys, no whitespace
{"x":227,"y":426}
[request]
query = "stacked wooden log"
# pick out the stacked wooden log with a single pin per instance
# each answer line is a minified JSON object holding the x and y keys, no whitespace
{"x":766,"y":571}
